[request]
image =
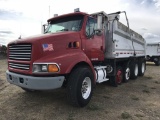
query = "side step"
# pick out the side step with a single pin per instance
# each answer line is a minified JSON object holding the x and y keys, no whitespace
{"x":102,"y":80}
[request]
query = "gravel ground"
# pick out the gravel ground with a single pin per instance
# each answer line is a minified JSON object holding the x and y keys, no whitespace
{"x":136,"y":100}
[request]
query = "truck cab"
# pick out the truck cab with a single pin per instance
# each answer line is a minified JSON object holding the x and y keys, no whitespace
{"x":45,"y":61}
{"x":89,"y":42}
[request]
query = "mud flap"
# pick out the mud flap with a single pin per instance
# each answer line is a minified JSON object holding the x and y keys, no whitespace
{"x":112,"y":80}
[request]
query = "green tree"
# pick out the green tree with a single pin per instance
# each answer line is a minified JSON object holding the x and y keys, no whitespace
{"x":4,"y":49}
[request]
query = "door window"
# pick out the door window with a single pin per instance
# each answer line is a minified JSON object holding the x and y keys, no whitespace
{"x":90,"y":27}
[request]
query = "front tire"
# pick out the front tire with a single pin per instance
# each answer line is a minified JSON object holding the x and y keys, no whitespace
{"x":80,"y":86}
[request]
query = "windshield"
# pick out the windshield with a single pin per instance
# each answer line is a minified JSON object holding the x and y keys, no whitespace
{"x":70,"y":23}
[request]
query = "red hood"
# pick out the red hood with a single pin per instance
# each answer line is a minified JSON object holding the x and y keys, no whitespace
{"x":59,"y":42}
{"x":36,"y":38}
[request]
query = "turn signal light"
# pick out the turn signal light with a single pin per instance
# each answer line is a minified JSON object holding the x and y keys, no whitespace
{"x":77,"y":44}
{"x":53,"y":68}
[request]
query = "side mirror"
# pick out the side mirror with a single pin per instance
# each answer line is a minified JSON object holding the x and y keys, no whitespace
{"x":44,"y":27}
{"x":98,"y":32}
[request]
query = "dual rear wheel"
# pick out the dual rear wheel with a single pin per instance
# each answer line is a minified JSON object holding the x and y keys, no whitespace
{"x":157,"y":61}
{"x":122,"y":74}
{"x":128,"y":71}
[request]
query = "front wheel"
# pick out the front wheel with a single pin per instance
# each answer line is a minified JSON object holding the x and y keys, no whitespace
{"x":80,"y":86}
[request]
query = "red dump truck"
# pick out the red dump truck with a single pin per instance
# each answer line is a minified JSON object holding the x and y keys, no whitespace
{"x":77,"y":50}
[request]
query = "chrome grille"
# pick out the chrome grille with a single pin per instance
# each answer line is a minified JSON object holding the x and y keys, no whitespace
{"x":19,"y":66}
{"x":20,"y":52}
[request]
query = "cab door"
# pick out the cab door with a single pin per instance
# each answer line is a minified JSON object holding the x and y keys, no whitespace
{"x":93,"y":42}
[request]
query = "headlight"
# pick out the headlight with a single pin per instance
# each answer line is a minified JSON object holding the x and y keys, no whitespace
{"x":36,"y":68}
{"x":43,"y":68}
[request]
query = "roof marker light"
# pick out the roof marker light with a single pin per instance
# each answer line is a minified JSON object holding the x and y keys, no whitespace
{"x":76,"y":10}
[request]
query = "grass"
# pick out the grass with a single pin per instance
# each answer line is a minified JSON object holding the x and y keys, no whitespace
{"x":144,"y":86}
{"x":153,"y":88}
{"x":125,"y":115}
{"x":139,"y":115}
{"x":93,"y":107}
{"x":133,"y":97}
{"x":106,"y":112}
{"x":148,"y":77}
{"x":157,"y":82}
{"x":70,"y":116}
{"x":106,"y":97}
{"x":146,"y":91}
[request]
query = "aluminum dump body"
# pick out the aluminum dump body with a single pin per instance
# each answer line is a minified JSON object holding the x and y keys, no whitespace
{"x":153,"y":49}
{"x":124,"y":43}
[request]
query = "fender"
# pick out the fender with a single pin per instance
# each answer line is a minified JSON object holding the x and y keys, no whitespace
{"x":78,"y":58}
{"x":67,"y":61}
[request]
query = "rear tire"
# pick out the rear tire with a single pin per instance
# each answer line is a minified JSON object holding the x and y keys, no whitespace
{"x":80,"y":86}
{"x":141,"y":68}
{"x":134,"y":70}
{"x":118,"y":78}
{"x":119,"y":75}
{"x":157,"y":62}
{"x":126,"y":73}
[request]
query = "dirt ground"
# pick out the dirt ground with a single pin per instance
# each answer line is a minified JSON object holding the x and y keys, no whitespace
{"x":136,"y":100}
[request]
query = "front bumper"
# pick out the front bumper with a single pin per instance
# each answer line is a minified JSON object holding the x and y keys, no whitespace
{"x":34,"y":83}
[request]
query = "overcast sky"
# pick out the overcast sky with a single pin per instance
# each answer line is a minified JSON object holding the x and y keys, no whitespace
{"x":24,"y":17}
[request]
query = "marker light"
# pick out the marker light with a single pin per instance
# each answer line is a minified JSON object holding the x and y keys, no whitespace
{"x":77,"y":44}
{"x":53,"y":68}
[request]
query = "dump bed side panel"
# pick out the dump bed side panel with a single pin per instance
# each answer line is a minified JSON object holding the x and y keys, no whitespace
{"x":121,"y":46}
{"x":153,"y":49}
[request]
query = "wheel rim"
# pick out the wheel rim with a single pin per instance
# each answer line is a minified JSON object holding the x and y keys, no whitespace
{"x":136,"y":70}
{"x":143,"y":67}
{"x":86,"y":88}
{"x":127,"y":74}
{"x":155,"y":59}
{"x":119,"y":76}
